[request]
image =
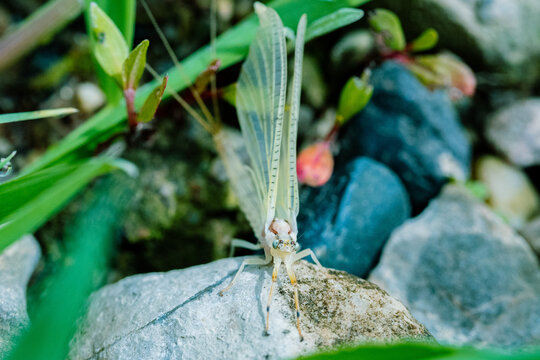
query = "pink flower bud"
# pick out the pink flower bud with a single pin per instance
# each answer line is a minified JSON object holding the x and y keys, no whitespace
{"x":315,"y":164}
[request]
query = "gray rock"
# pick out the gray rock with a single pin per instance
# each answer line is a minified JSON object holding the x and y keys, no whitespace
{"x":465,"y":274}
{"x":17,"y":263}
{"x":495,"y":35}
{"x":413,"y":131}
{"x":511,"y":193}
{"x":179,"y":315}
{"x":347,"y":221}
{"x":531,"y":232}
{"x":515,"y":132}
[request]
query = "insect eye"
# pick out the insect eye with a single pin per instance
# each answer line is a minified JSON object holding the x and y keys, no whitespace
{"x":275,"y":244}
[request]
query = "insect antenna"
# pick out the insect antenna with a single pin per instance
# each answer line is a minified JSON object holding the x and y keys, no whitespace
{"x":208,"y":122}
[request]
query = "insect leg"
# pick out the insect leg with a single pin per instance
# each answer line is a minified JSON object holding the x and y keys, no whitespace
{"x":305,"y":253}
{"x":292,"y":276}
{"x":237,"y":243}
{"x":277,"y":263}
{"x":248,"y":261}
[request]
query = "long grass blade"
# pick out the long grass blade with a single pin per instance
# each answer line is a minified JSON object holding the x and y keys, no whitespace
{"x":33,"y":115}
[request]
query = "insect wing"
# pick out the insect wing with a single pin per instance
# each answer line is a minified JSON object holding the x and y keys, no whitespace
{"x":260,"y":103}
{"x":287,"y":206}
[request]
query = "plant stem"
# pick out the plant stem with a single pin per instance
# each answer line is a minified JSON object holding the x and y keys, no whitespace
{"x":39,"y":26}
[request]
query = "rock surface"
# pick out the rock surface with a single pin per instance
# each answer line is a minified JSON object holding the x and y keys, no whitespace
{"x":531,"y":232}
{"x":495,"y":35}
{"x":347,"y":221}
{"x":465,"y":274}
{"x":179,"y":315}
{"x":17,"y":264}
{"x":515,"y":132}
{"x":511,"y":193}
{"x":410,"y":129}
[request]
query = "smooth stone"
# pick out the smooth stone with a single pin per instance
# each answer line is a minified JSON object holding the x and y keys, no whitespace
{"x":179,"y":315}
{"x":515,"y":132}
{"x":17,"y":263}
{"x":511,"y":193}
{"x":414,"y":131}
{"x":347,"y":221}
{"x":531,"y":232}
{"x":89,"y":97}
{"x":497,"y":36}
{"x":465,"y":274}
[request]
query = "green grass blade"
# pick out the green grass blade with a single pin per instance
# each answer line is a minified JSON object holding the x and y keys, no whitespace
{"x":33,"y":115}
{"x":414,"y":351}
{"x":29,"y":201}
{"x":89,"y":241}
{"x":231,"y":48}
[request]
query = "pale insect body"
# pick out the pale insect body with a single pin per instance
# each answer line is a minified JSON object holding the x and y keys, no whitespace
{"x":268,"y":188}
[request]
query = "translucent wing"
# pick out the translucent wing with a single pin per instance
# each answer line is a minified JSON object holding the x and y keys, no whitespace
{"x":242,"y":179}
{"x":287,"y":205}
{"x":260,"y":103}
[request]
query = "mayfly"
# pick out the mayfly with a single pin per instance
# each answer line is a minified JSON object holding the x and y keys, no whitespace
{"x":267,"y":188}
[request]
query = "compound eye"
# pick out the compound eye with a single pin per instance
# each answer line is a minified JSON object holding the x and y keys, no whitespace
{"x":296,"y":247}
{"x":275,"y":244}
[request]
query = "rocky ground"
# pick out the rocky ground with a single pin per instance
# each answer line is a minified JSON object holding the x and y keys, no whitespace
{"x":441,"y":264}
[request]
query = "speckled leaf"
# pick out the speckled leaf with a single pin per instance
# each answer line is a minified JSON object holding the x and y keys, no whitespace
{"x":110,"y":47}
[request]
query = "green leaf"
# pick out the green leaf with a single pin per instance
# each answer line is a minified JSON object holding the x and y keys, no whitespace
{"x":354,"y":97}
{"x":29,"y":201}
{"x":387,"y":23}
{"x":427,"y":40}
{"x":231,"y":47}
{"x":110,"y":48}
{"x":133,"y":67}
{"x":32,"y":115}
{"x":229,"y":94}
{"x":151,"y":104}
{"x":333,"y":21}
{"x":4,"y":162}
{"x":415,"y":351}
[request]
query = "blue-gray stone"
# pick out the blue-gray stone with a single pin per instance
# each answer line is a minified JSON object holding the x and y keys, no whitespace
{"x":412,"y":130}
{"x":464,"y":273}
{"x":347,"y":221}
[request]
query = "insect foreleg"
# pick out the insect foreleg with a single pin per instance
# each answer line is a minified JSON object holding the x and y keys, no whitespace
{"x":248,"y":261}
{"x":237,"y":243}
{"x":292,"y":276}
{"x":305,"y":253}
{"x":277,"y":263}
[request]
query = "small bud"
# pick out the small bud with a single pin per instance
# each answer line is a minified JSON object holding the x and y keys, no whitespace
{"x":315,"y":164}
{"x":444,"y":70}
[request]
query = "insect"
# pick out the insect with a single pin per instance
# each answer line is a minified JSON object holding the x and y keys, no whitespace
{"x":267,"y":187}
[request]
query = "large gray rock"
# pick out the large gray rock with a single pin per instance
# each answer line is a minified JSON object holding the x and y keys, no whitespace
{"x":465,"y":274}
{"x":515,"y":132}
{"x":17,"y":263}
{"x":179,"y":315}
{"x":495,"y":35}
